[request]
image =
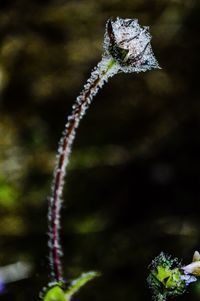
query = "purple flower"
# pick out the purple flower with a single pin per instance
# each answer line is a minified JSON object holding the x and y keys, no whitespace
{"x":2,"y":285}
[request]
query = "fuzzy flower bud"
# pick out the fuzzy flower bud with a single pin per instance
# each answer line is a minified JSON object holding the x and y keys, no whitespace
{"x":169,"y":278}
{"x":129,"y":44}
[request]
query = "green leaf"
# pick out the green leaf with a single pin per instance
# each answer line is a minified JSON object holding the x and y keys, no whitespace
{"x":162,"y":274}
{"x":55,"y":294}
{"x":78,"y":283}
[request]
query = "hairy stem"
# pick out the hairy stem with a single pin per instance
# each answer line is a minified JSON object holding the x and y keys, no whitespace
{"x":105,"y":69}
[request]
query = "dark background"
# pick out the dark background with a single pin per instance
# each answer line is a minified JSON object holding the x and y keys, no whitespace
{"x":132,"y":189}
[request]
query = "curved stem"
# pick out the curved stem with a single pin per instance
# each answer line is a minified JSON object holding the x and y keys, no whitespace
{"x":105,"y":69}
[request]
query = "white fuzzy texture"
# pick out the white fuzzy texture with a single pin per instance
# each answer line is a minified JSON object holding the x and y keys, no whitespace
{"x":129,"y":35}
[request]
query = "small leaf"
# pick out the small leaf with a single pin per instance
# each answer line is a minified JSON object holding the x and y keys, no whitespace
{"x":162,"y":274}
{"x":78,"y":283}
{"x":55,"y":294}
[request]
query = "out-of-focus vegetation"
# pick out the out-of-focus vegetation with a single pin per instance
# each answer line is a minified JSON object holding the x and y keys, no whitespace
{"x":133,"y":185}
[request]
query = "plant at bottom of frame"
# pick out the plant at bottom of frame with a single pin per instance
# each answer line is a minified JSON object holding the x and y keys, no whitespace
{"x":58,"y":292}
{"x":169,"y":278}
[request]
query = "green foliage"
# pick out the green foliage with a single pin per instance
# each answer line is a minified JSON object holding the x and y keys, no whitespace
{"x":56,"y":292}
{"x":79,"y":282}
{"x":166,"y":277}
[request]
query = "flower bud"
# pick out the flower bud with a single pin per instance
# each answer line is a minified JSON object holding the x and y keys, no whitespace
{"x":167,"y":278}
{"x":129,"y":44}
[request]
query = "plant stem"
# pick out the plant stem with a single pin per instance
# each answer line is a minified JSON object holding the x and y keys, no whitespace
{"x":105,"y":69}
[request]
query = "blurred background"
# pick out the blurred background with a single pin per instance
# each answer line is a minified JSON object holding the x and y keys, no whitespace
{"x":132,"y":189}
